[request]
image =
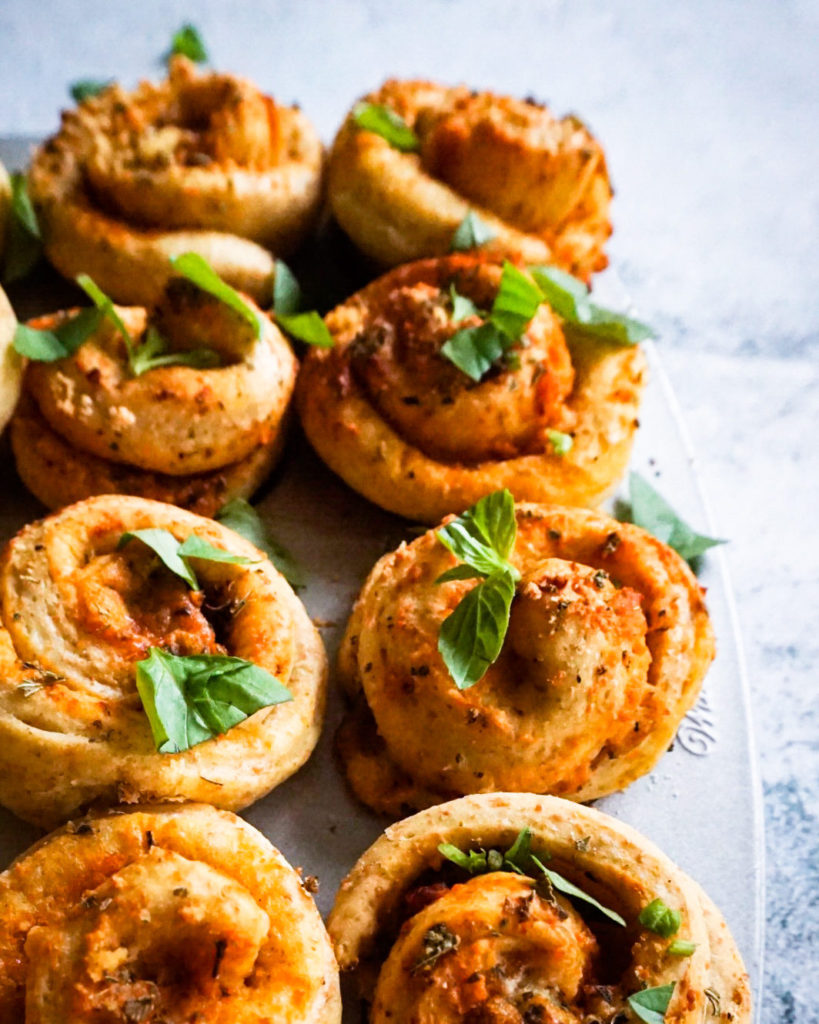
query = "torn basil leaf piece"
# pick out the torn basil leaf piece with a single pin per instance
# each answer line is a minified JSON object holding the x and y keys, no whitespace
{"x":46,"y":346}
{"x":651,"y":1003}
{"x":561,"y":443}
{"x":163,"y":543}
{"x":153,"y":352}
{"x":471,"y":637}
{"x":106,"y":306}
{"x":473,"y":861}
{"x":516,"y":302}
{"x":462,"y":307}
{"x":240,"y":516}
{"x":23,"y":242}
{"x":286,"y":290}
{"x":569,"y":889}
{"x":680,"y":947}
{"x":307,"y":327}
{"x":190,"y":699}
{"x":197,"y":547}
{"x":652,"y":512}
{"x":197,"y":269}
{"x":661,"y":919}
{"x":474,"y":350}
{"x":187,"y":42}
{"x":86,"y":88}
{"x":374,"y":117}
{"x":489,"y":523}
{"x":471,"y":233}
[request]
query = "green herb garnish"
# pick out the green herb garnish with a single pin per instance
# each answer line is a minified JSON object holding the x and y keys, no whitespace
{"x":187,"y":42}
{"x":374,"y":117}
{"x":462,"y":307}
{"x":308,"y":326}
{"x":191,"y":699}
{"x":661,"y":919}
{"x":24,"y":243}
{"x":561,"y":443}
{"x":48,"y":346}
{"x":569,"y":298}
{"x":652,"y":512}
{"x":651,"y":1003}
{"x":197,"y":269}
{"x":175,"y":555}
{"x":679,"y":947}
{"x":471,"y":233}
{"x":240,"y":516}
{"x":153,"y":352}
{"x":86,"y":88}
{"x":286,"y":290}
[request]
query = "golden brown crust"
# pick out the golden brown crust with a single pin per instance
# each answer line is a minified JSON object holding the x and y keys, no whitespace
{"x":607,"y":647}
{"x":607,"y":859}
{"x":540,"y":184}
{"x":507,"y":416}
{"x":77,"y":614}
{"x":11,"y":365}
{"x":134,"y":178}
{"x":162,"y":913}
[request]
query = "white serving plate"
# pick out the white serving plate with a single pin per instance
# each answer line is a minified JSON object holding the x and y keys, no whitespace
{"x":701,"y":805}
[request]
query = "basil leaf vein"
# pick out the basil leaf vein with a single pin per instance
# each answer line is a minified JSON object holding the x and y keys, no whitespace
{"x":383,"y":121}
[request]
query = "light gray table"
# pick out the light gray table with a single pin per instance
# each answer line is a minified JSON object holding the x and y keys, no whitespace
{"x":709,"y":114}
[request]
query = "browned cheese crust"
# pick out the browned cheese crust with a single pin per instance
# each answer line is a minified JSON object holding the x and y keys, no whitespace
{"x":195,"y":437}
{"x":77,"y":613}
{"x":200,"y":162}
{"x":540,"y":184}
{"x":410,"y":431}
{"x":518,"y":952}
{"x":162,"y":914}
{"x":607,"y":646}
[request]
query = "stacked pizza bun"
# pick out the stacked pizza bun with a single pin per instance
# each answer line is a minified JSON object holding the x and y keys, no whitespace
{"x":524,"y":654}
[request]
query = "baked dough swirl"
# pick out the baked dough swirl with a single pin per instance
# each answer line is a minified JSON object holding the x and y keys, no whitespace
{"x":187,"y":435}
{"x":508,"y":952}
{"x":607,"y":646}
{"x":406,"y":428}
{"x":11,"y":365}
{"x":161,"y":914}
{"x":539,"y":184}
{"x":78,"y":613}
{"x":200,"y":162}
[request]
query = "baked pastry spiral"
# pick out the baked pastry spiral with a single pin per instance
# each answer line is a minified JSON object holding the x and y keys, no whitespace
{"x":189,"y":435}
{"x":11,"y":365}
{"x":429,"y":943}
{"x":607,"y":645}
{"x":161,"y":914}
{"x":539,"y":184}
{"x":412,"y":432}
{"x":79,"y":613}
{"x":200,"y":162}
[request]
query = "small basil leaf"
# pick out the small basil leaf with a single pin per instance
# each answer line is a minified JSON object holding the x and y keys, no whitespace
{"x":653,"y":513}
{"x":86,"y":88}
{"x":152,"y":353}
{"x":520,"y":852}
{"x":474,"y":861}
{"x":661,"y":919}
{"x":191,"y":699}
{"x":516,"y":302}
{"x":107,"y":308}
{"x":240,"y":516}
{"x":187,"y":42}
{"x":197,"y":269}
{"x":650,"y":1004}
{"x":286,"y":290}
{"x":471,"y":637}
{"x":471,"y":233}
{"x":490,"y":522}
{"x":569,"y":889}
{"x":474,"y":350}
{"x":564,"y":293}
{"x":164,"y":544}
{"x":307,"y":327}
{"x":42,"y":346}
{"x":561,"y":443}
{"x":680,"y":947}
{"x":23,"y":244}
{"x":198,"y":547}
{"x":462,"y":307}
{"x":383,"y":121}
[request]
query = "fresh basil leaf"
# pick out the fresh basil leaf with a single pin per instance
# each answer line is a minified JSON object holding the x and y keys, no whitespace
{"x":471,"y":233}
{"x":191,"y":699}
{"x":471,"y":637}
{"x":680,"y":947}
{"x":480,"y":558}
{"x":473,"y":861}
{"x":474,"y":350}
{"x":286,"y":290}
{"x":569,"y":298}
{"x":307,"y":327}
{"x":374,"y":117}
{"x":569,"y":889}
{"x":462,"y":307}
{"x":653,"y":513}
{"x":164,"y":544}
{"x":240,"y":516}
{"x":23,"y":244}
{"x":489,"y":522}
{"x":651,"y":1003}
{"x":107,"y":308}
{"x":561,"y":443}
{"x":187,"y":42}
{"x":197,"y":269}
{"x":516,"y":302}
{"x":86,"y":88}
{"x":520,"y":852}
{"x":198,"y":547}
{"x":42,"y":346}
{"x":152,"y":353}
{"x":661,"y":919}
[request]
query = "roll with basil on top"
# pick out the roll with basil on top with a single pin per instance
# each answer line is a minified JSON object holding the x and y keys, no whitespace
{"x":519,"y":648}
{"x":452,"y":377}
{"x":148,"y":654}
{"x":201,"y":162}
{"x":166,"y":913}
{"x":185,"y":402}
{"x":418,"y":168}
{"x":515,"y":908}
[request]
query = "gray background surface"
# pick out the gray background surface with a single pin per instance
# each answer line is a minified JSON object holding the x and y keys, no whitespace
{"x":709,"y":113}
